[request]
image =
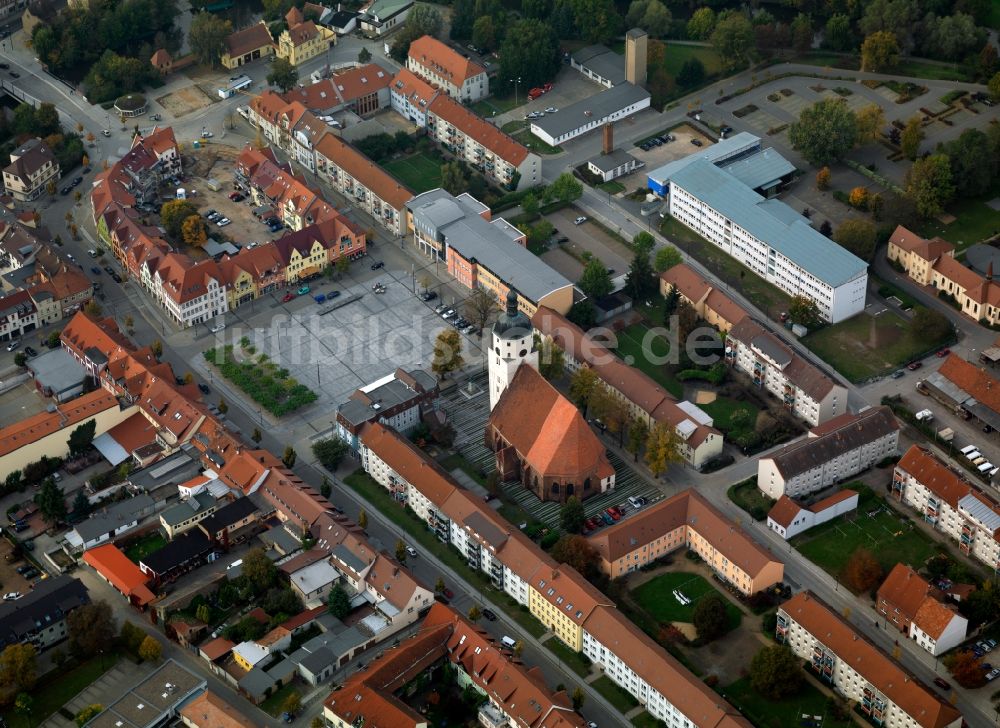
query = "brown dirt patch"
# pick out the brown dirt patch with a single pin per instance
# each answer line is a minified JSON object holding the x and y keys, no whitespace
{"x":185,"y":100}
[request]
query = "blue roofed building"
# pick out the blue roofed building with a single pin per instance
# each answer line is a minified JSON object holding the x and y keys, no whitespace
{"x":723,"y":194}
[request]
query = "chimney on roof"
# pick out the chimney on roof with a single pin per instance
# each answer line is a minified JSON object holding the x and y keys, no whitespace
{"x":608,"y":137}
{"x":989,"y":271}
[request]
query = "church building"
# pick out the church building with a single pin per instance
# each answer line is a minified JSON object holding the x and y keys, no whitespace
{"x":539,"y":436}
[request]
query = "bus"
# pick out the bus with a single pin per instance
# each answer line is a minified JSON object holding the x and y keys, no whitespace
{"x":236,"y":83}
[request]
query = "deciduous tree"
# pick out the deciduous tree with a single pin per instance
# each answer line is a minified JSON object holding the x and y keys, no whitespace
{"x":479,"y":306}
{"x":51,"y":502}
{"x":453,"y":178}
{"x":259,"y":570}
{"x":879,"y":52}
{"x":929,"y":184}
{"x":330,"y":452}
{"x":638,"y":432}
{"x":858,"y":236}
{"x":173,"y":214}
{"x":400,"y":551}
{"x":293,"y":703}
{"x":87,"y":714}
{"x":364,"y":56}
{"x":966,"y":668}
{"x":194,"y":231}
{"x":82,"y":437}
{"x":575,"y":550}
{"x":91,"y":629}
{"x":289,"y":456}
{"x":565,"y":188}
{"x":283,"y":75}
{"x":530,"y":52}
{"x":666,"y":258}
{"x":994,"y":86}
{"x":701,"y":24}
{"x":663,"y":447}
{"x":650,"y":15}
{"x":823,"y":179}
{"x":775,"y":672}
{"x":362,"y":519}
{"x":582,"y":385}
{"x":733,"y":38}
{"x":447,"y":353}
{"x":911,"y":137}
{"x":551,"y":358}
{"x":971,"y":164}
{"x":595,"y":281}
{"x":838,"y":35}
{"x":825,"y":131}
{"x":929,"y":326}
{"x":871,"y":120}
{"x":207,"y":37}
{"x":710,"y":618}
{"x":150,"y":650}
{"x":19,"y":667}
{"x":862,"y":572}
{"x":474,"y":613}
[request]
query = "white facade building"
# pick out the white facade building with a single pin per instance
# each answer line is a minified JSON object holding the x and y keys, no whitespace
{"x":765,"y":235}
{"x":588,"y":114}
{"x":833,"y":452}
{"x":803,"y":389}
{"x":966,"y":515}
{"x":839,"y":656}
{"x":788,"y":519}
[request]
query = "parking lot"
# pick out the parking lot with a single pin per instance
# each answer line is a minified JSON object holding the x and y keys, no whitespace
{"x":681,"y":146}
{"x":10,"y":579}
{"x":365,"y":337}
{"x":586,"y":238}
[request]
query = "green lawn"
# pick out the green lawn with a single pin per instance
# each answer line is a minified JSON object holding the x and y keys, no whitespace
{"x":419,"y":171}
{"x":677,"y":55}
{"x":522,"y":133}
{"x":867,"y":346}
{"x":612,"y":187}
{"x":974,"y":221}
{"x":890,"y":538}
{"x":273,"y":705}
{"x":498,"y":104}
{"x":573,"y":660}
{"x":645,"y":358}
{"x":378,"y":496}
{"x":750,"y":498}
{"x":767,"y":713}
{"x":145,"y":546}
{"x":656,"y":597}
{"x":645,"y":720}
{"x":722,"y":409}
{"x":618,"y":696}
{"x":766,"y":296}
{"x":908,"y":67}
{"x":57,"y":688}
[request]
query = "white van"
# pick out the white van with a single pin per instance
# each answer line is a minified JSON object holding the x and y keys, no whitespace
{"x":985,"y":467}
{"x":967,"y":449}
{"x":507,"y":642}
{"x":238,"y":562}
{"x":973,"y":455}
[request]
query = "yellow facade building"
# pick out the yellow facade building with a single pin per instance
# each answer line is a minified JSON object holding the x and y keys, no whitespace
{"x":304,"y":40}
{"x":561,"y":599}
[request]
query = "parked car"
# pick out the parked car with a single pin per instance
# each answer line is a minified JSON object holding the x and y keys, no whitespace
{"x":440,"y":308}
{"x":155,"y":117}
{"x":217,"y":328}
{"x":12,"y":596}
{"x":898,"y":373}
{"x":95,"y":270}
{"x":13,"y":345}
{"x":332,"y":295}
{"x":914,"y":365}
{"x":15,"y":74}
{"x":446,"y":315}
{"x":204,"y":388}
{"x":222,"y":222}
{"x":76,"y":181}
{"x":29,"y":351}
{"x":117,"y":278}
{"x":303,"y":290}
{"x":428,"y":296}
{"x":319,"y":298}
{"x":287,"y":297}
{"x":697,"y":142}
{"x":378,"y":264}
{"x":943,"y":352}
{"x":992,"y":675}
{"x":614,"y":513}
{"x":490,"y":615}
{"x":580,"y":220}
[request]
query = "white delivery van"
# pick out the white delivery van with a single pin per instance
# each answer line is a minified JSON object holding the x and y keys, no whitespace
{"x":507,"y":642}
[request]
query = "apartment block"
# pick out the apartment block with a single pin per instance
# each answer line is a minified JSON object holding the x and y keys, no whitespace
{"x":916,"y":255}
{"x":712,"y":305}
{"x":772,"y":365}
{"x":688,"y":521}
{"x":834,"y":451}
{"x":946,"y":501}
{"x":884,"y":692}
{"x":398,"y":400}
{"x":915,"y":608}
{"x":442,"y":66}
{"x":715,"y":193}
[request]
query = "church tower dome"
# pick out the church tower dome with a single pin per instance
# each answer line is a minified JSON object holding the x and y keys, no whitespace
{"x":513,"y":344}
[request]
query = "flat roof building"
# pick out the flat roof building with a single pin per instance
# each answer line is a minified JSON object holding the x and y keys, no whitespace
{"x":588,"y":114}
{"x":600,"y":64}
{"x":154,"y":701}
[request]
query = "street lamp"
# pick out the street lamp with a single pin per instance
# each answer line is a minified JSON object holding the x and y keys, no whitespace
{"x":515,"y":81}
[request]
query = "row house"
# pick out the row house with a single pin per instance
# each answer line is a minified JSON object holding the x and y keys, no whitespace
{"x":645,"y":399}
{"x":916,"y":609}
{"x":410,"y":95}
{"x":447,"y":69}
{"x":32,"y":167}
{"x":834,"y":451}
{"x":932,"y":263}
{"x":192,"y":293}
{"x":252,"y":273}
{"x":18,"y":315}
{"x":275,"y":117}
{"x":712,"y":305}
{"x":949,"y":504}
{"x":885,"y":693}
{"x":307,"y":252}
{"x":557,"y":595}
{"x":472,"y":139}
{"x":368,"y":186}
{"x":772,"y":365}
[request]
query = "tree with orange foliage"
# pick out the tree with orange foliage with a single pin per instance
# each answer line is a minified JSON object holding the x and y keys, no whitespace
{"x":966,"y":668}
{"x":859,"y":197}
{"x":862,"y":571}
{"x":823,"y":179}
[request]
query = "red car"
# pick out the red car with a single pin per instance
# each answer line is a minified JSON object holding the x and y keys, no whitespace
{"x":287,"y":297}
{"x":914,"y":365}
{"x":547,"y":87}
{"x":943,"y":353}
{"x":614,"y":513}
{"x":449,"y":593}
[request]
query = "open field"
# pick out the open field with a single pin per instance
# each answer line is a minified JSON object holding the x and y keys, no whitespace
{"x":891,"y":538}
{"x":867,"y":346}
{"x":630,"y":349}
{"x":974,"y":221}
{"x":656,"y":597}
{"x":418,"y":171}
{"x":768,"y":713}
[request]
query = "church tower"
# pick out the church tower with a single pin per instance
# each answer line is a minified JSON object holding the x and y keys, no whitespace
{"x":513,"y":344}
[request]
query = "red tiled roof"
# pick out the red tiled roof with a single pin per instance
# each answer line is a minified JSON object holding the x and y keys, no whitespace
{"x":303,"y":32}
{"x":973,"y":380}
{"x":67,"y":414}
{"x":784,"y":511}
{"x":123,"y":575}
{"x":410,"y":462}
{"x":547,"y":430}
{"x":444,"y":61}
{"x":417,"y":90}
{"x":934,"y":475}
{"x":473,"y":125}
{"x":208,"y":710}
{"x":247,"y":40}
{"x":216,"y":648}
{"x":133,"y":433}
{"x":901,"y":687}
{"x":929,"y":250}
{"x":360,"y":81}
{"x":382,"y":184}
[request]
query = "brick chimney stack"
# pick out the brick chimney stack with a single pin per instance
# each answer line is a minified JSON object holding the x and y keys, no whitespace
{"x":609,"y":138}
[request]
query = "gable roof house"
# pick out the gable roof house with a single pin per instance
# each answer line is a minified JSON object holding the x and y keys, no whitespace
{"x":247,"y":45}
{"x":443,"y":67}
{"x":32,"y":166}
{"x":917,"y":610}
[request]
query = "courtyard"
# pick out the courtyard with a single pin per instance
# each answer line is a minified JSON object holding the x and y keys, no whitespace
{"x":657,"y":599}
